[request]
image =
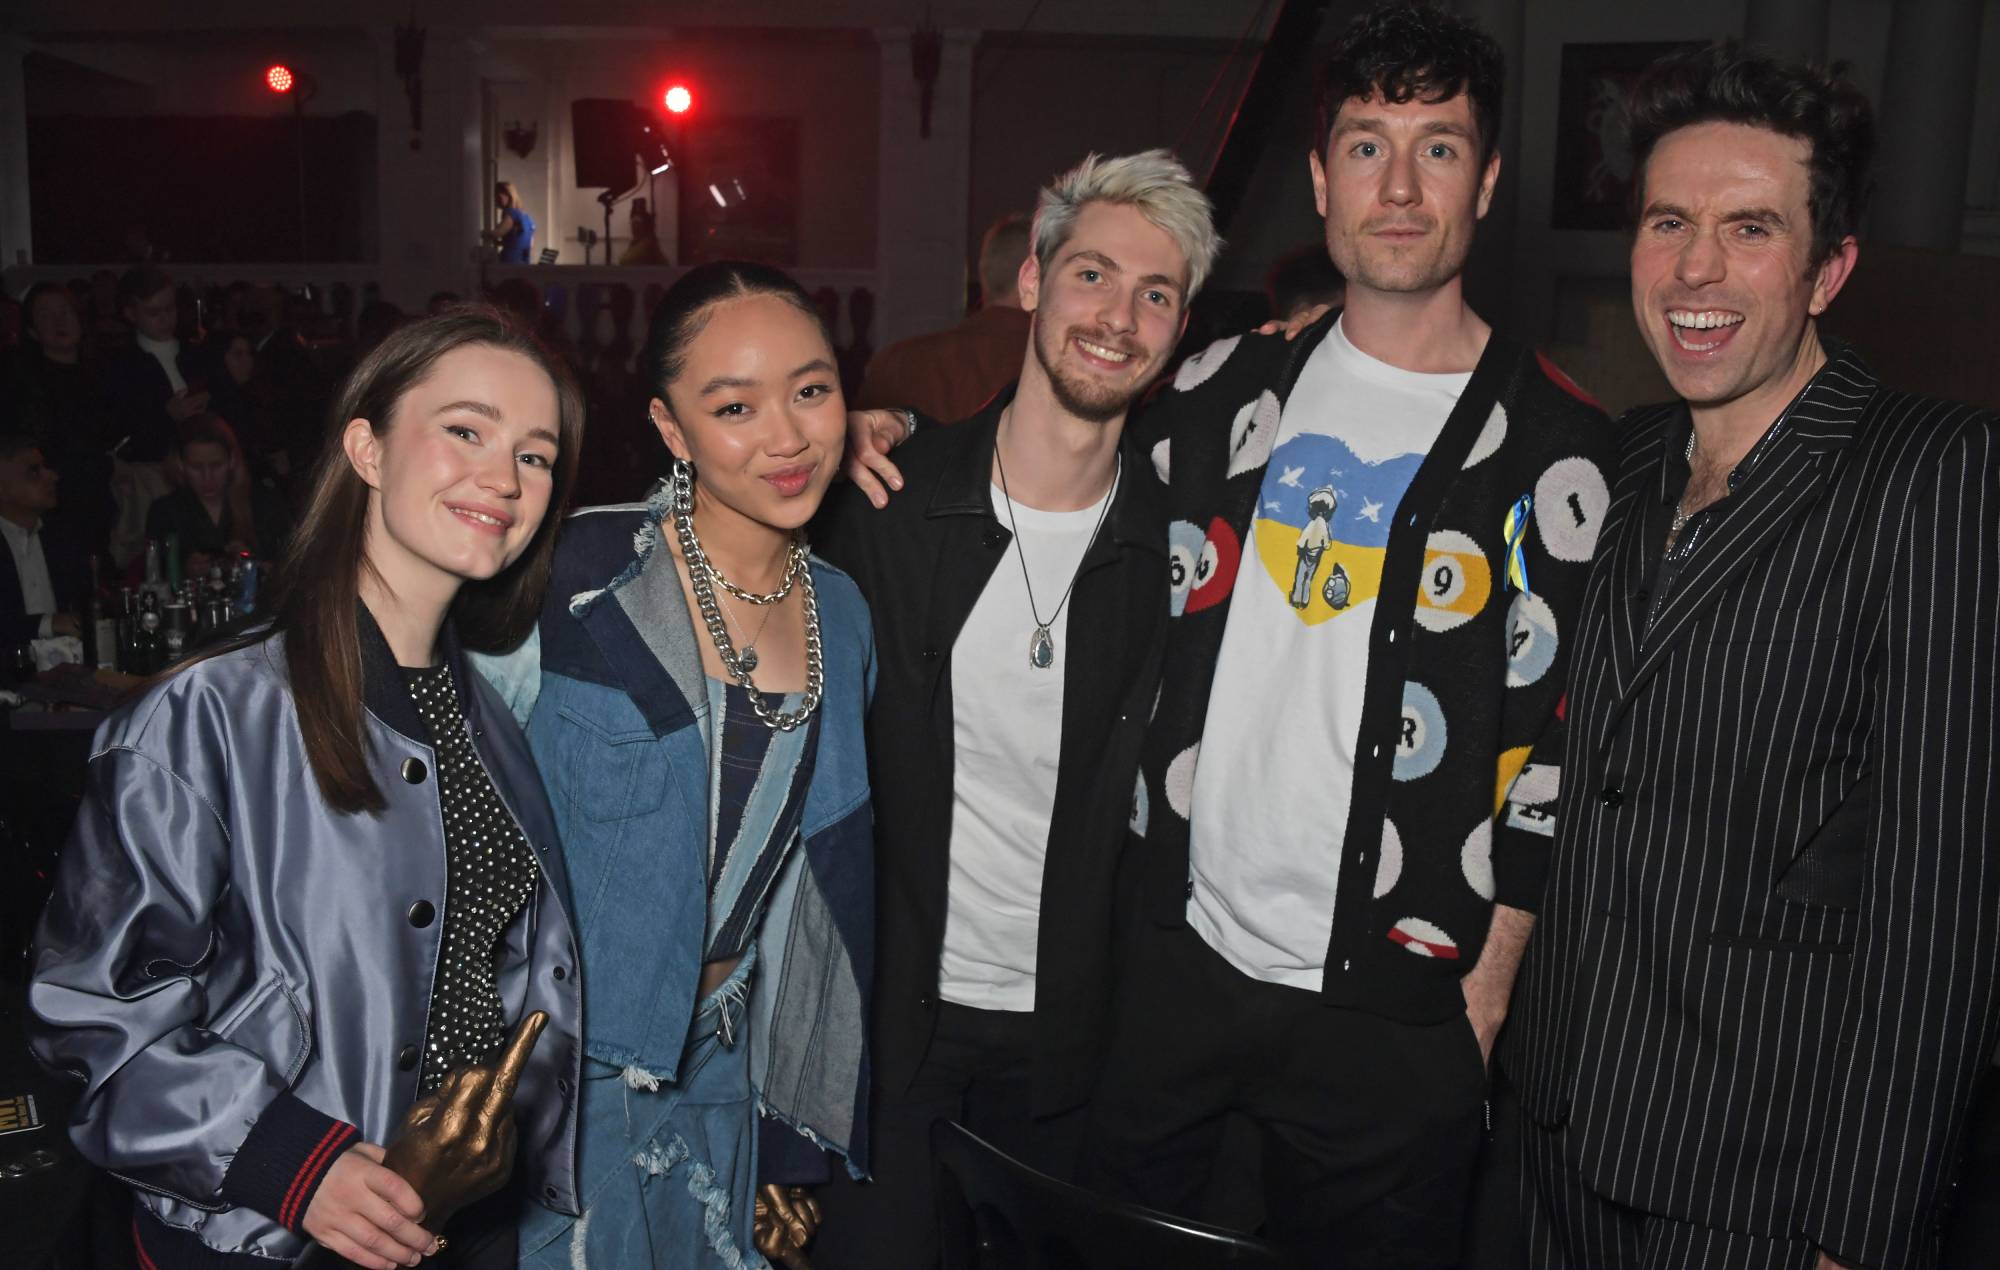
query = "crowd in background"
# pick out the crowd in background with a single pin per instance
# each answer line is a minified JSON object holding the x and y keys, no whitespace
{"x":140,"y":410}
{"x":112,"y":376}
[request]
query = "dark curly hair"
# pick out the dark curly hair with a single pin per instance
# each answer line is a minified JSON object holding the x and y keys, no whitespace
{"x":1726,"y":83}
{"x":1408,"y":50}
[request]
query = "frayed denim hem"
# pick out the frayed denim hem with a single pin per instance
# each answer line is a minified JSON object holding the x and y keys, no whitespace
{"x":715,"y":1201}
{"x":659,"y":1161}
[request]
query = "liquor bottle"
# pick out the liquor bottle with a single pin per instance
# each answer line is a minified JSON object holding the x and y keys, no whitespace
{"x":246,"y":587}
{"x":176,"y":631}
{"x":174,"y":563}
{"x":155,"y":583}
{"x":146,"y":640}
{"x":128,"y":631}
{"x":101,"y":623}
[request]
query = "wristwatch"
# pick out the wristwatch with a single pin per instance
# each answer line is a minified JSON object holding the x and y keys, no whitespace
{"x":909,"y":422}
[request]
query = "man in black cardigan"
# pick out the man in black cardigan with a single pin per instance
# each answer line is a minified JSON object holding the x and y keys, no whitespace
{"x":1766,"y":980}
{"x":1380,"y":535}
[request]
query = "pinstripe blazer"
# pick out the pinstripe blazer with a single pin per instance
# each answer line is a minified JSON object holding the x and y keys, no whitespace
{"x":1764,"y":978}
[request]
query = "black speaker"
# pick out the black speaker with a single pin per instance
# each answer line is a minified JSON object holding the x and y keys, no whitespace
{"x":605,"y":136}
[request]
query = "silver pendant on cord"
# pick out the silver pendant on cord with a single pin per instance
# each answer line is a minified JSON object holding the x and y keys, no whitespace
{"x":1041,"y":649}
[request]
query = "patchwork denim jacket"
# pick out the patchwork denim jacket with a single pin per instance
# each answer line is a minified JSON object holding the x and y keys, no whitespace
{"x":610,"y":689}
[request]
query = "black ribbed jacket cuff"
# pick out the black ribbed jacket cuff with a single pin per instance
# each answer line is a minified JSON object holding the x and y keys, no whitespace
{"x":1520,"y":868}
{"x":159,"y":1246}
{"x":285,"y":1158}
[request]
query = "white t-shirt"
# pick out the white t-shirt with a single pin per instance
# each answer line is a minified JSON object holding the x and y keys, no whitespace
{"x":1007,"y":729}
{"x":1276,"y":770}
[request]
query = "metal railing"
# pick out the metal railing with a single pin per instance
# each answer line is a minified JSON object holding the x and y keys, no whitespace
{"x":597,"y":305}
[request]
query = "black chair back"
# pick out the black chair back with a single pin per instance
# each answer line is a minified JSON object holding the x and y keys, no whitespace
{"x":995,"y":1213}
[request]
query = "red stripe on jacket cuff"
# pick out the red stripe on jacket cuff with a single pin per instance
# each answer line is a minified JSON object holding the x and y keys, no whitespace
{"x":307,"y":1179}
{"x":281,"y":1163}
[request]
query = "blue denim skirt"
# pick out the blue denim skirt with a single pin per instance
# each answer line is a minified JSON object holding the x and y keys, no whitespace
{"x":666,"y":1170}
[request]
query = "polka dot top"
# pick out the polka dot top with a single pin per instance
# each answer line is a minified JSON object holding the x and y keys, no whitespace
{"x":490,"y":875}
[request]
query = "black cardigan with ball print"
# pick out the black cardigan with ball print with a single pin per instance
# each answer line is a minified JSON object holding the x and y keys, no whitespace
{"x":1425,"y":858}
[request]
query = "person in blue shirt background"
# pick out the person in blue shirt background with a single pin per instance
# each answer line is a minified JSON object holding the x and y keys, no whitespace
{"x":514,"y":229}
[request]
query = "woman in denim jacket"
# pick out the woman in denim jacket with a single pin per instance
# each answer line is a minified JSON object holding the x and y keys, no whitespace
{"x":693,"y":694}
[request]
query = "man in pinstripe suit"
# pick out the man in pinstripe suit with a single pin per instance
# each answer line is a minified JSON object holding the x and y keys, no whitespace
{"x":1763,"y":986}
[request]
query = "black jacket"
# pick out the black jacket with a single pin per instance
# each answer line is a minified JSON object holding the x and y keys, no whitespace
{"x":922,"y":563}
{"x":69,"y":575}
{"x":138,"y":390}
{"x":179,"y":511}
{"x":1767,"y":974}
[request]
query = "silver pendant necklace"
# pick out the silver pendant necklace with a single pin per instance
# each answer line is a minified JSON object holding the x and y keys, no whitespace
{"x":748,"y":657}
{"x":1041,"y":644}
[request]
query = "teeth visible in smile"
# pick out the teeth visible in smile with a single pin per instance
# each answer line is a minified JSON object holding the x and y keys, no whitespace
{"x":1706,"y":319}
{"x":1108,"y":354}
{"x":481,"y":517}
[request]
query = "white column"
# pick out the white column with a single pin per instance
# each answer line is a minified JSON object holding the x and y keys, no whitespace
{"x":432,"y":196}
{"x":1926,"y":123}
{"x":16,"y":247}
{"x":923,"y":190}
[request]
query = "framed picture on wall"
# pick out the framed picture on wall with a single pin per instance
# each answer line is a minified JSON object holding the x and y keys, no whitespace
{"x":1593,"y":181}
{"x":739,"y":191}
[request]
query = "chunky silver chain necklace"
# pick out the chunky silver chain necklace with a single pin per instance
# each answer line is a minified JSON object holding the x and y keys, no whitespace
{"x":703,"y":575}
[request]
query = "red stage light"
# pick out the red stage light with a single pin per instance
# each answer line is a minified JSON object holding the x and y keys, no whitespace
{"x":679,"y":99}
{"x":279,"y":78}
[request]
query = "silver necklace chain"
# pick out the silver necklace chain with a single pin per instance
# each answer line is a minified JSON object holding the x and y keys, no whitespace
{"x":749,"y":654}
{"x":795,"y":556}
{"x":699,"y":574}
{"x":1041,"y":645}
{"x":1681,"y":514}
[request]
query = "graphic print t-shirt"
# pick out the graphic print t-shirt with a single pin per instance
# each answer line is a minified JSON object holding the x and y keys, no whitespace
{"x":1276,"y":770}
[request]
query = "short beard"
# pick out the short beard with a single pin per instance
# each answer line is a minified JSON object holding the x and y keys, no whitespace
{"x":1073,"y":397}
{"x":1448,"y":264}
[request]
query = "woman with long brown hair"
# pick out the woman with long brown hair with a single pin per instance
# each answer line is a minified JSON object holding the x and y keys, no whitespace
{"x":316,"y":872}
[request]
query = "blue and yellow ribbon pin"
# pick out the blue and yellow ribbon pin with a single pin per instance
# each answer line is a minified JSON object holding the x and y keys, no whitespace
{"x":1515,"y":527}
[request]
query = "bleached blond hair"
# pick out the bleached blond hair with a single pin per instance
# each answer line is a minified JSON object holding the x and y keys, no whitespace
{"x":1154,"y":182}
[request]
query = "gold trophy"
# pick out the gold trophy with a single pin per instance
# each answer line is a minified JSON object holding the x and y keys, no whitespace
{"x":456,"y":1143}
{"x":783,"y":1224}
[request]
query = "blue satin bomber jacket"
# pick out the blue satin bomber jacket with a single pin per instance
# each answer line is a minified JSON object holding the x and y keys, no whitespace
{"x":242,"y":975}
{"x":608,"y":688}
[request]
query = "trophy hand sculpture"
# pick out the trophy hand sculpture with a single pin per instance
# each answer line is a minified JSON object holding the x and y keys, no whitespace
{"x":456,"y":1143}
{"x":783,"y":1224}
